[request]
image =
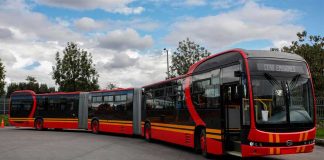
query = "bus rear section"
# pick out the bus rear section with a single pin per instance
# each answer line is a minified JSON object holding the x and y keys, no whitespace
{"x":22,"y":108}
{"x":60,"y":110}
{"x":115,"y":111}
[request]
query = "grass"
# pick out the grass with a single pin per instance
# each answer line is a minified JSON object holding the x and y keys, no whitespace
{"x":320,"y":133}
{"x":5,"y":117}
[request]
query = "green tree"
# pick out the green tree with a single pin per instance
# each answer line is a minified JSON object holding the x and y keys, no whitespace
{"x":31,"y":84}
{"x":311,"y":48}
{"x":111,"y":86}
{"x":188,"y":53}
{"x":2,"y":78}
{"x":75,"y":71}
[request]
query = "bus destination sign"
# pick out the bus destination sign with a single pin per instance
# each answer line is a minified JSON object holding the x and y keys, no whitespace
{"x":280,"y":68}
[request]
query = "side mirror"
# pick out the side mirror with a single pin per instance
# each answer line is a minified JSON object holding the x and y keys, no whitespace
{"x":238,"y":73}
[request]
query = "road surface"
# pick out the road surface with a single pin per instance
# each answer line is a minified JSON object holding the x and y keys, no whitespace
{"x":28,"y":144}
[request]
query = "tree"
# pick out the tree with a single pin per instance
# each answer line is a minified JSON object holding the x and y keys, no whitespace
{"x":75,"y":71}
{"x":188,"y":53}
{"x":2,"y":78}
{"x":111,"y":86}
{"x":31,"y":79}
{"x":311,"y":48}
{"x":31,"y":84}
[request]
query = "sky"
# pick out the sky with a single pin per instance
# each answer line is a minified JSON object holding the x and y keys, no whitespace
{"x":126,"y":37}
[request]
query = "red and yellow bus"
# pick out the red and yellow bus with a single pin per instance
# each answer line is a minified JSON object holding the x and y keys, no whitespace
{"x":241,"y":102}
{"x":245,"y":103}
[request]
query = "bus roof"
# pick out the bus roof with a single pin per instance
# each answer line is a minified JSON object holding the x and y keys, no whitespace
{"x":272,"y":54}
{"x":58,"y":93}
{"x":243,"y":52}
{"x":112,"y":90}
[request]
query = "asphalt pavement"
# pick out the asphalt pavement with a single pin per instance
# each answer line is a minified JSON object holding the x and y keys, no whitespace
{"x":28,"y":144}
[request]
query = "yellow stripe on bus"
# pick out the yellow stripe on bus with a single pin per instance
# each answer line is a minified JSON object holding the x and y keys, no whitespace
{"x":271,"y":150}
{"x":121,"y":124}
{"x":298,"y":149}
{"x":64,"y":119}
{"x":270,"y":138}
{"x":277,"y":138}
{"x":218,"y":131}
{"x":21,"y":118}
{"x":120,"y":121}
{"x":173,"y":125}
{"x":219,"y":137}
{"x":303,"y":149}
{"x":306,"y":136}
{"x":60,"y":121}
{"x":172,"y":130}
{"x":277,"y":150}
{"x":301,"y":137}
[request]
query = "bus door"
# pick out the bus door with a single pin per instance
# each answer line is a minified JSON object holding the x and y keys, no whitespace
{"x":232,"y":117}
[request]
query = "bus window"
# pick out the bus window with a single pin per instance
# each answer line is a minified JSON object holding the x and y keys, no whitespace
{"x":21,"y":106}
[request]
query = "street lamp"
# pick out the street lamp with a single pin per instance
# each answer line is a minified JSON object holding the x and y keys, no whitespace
{"x":167,"y":52}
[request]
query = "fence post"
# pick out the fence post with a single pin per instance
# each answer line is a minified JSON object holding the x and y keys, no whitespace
{"x":4,"y":105}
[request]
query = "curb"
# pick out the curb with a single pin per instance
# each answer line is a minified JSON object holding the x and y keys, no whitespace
{"x":319,"y":142}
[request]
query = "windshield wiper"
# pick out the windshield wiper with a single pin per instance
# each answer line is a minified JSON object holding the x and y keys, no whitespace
{"x":294,"y":81}
{"x":271,"y":79}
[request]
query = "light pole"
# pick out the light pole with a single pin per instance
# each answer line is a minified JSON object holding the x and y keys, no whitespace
{"x":167,"y":52}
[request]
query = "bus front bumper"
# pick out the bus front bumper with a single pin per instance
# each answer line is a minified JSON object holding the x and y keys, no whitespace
{"x":252,"y":151}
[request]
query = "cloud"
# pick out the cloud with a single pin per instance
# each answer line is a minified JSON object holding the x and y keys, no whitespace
{"x":195,"y":2}
{"x":125,"y":39}
{"x":27,"y":25}
{"x":5,"y":33}
{"x":139,"y":70}
{"x":87,"y":24}
{"x":114,"y":6}
{"x":243,"y":24}
{"x":224,"y":4}
{"x":90,"y":24}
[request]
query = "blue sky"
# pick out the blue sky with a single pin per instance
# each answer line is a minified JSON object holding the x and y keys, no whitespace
{"x":126,"y":37}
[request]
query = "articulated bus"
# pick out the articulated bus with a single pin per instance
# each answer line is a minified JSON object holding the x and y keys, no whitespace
{"x":240,"y":102}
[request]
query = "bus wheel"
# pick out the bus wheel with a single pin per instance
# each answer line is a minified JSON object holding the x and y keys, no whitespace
{"x":147,"y":132}
{"x":203,"y":143}
{"x":95,"y":126}
{"x":39,"y":124}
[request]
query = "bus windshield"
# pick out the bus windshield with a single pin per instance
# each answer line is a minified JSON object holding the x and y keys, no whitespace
{"x":21,"y":105}
{"x":282,"y":93}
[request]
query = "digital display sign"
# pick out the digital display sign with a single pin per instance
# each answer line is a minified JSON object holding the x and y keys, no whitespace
{"x":279,"y":68}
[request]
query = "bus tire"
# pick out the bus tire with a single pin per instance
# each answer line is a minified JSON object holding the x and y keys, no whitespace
{"x":203,"y":143}
{"x":147,"y":132}
{"x":39,"y":124}
{"x":95,"y":126}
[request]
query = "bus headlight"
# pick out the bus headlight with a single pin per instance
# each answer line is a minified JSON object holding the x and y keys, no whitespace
{"x":251,"y":144}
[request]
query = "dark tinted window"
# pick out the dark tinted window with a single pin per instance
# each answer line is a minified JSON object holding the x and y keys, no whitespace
{"x":115,"y":105}
{"x":165,"y":103}
{"x":58,"y":106}
{"x":21,"y":105}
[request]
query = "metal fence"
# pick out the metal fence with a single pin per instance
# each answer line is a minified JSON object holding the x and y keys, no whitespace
{"x":4,"y":105}
{"x":320,"y":108}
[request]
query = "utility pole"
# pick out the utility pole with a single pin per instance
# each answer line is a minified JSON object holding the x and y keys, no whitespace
{"x":167,"y":52}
